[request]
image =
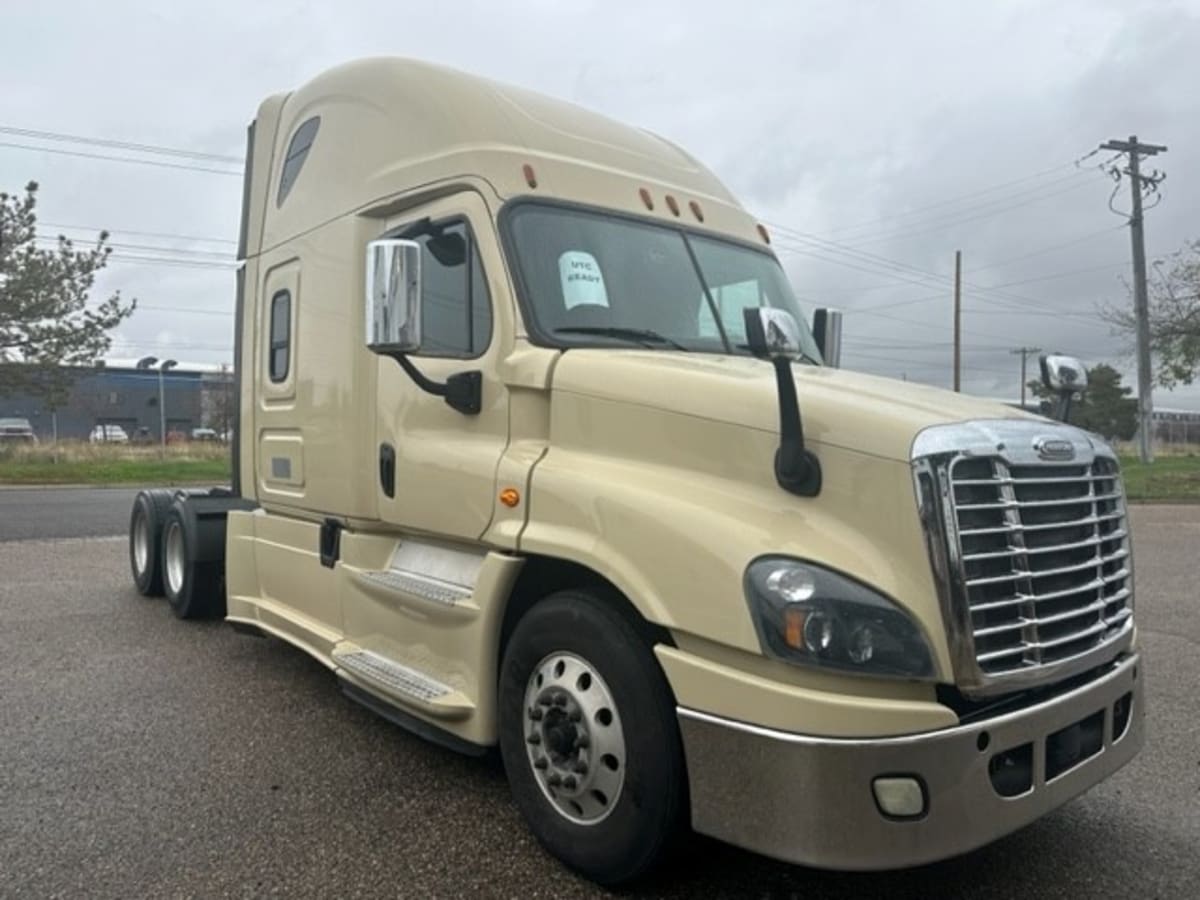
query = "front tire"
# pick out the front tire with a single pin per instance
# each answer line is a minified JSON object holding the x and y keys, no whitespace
{"x":589,"y":737}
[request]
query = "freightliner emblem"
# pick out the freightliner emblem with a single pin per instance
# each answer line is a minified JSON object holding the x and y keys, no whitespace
{"x":1053,"y":448}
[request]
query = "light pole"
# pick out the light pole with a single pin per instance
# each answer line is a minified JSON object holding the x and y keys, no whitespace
{"x":162,"y":401}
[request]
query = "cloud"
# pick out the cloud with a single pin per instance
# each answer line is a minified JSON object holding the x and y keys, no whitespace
{"x":843,"y":123}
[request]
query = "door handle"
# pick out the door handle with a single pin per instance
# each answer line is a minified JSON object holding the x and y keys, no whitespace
{"x":387,"y":469}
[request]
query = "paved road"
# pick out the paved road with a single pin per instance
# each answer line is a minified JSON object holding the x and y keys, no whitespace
{"x":142,"y":756}
{"x":63,"y":512}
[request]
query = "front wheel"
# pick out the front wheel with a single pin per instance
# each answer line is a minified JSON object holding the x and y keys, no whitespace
{"x":589,"y":737}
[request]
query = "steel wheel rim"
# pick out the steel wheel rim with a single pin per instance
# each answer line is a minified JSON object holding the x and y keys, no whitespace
{"x":174,"y":562}
{"x":141,"y":543}
{"x":574,"y":740}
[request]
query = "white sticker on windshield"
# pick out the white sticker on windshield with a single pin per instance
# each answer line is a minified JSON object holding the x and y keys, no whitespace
{"x":582,"y":280}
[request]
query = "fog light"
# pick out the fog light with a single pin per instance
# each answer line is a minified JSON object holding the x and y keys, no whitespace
{"x":901,"y":798}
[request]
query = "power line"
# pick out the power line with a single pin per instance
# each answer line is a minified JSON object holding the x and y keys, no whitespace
{"x":1051,"y":249}
{"x":954,"y":200}
{"x":157,"y":234}
{"x":220,"y":255}
{"x":118,"y":145}
{"x":904,"y":234}
{"x":125,"y":159}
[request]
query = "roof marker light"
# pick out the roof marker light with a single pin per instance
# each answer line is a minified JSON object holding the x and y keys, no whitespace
{"x":696,"y":211}
{"x":530,"y":177}
{"x":645,"y":195}
{"x":672,"y":205}
{"x":763,"y":233}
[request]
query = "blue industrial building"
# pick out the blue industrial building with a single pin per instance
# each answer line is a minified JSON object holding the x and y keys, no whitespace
{"x":119,"y":393}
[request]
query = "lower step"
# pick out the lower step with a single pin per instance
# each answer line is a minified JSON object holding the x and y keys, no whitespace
{"x":403,"y":682}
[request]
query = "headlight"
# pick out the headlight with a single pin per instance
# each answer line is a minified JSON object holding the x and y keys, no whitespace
{"x":813,"y":616}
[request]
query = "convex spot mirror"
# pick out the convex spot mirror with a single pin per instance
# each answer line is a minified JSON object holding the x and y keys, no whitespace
{"x":393,"y":296}
{"x":772,"y":333}
{"x":1063,"y":374}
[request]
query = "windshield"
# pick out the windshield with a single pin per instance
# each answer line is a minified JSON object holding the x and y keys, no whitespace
{"x":595,"y":279}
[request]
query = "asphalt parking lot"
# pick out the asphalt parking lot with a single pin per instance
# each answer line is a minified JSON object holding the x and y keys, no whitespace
{"x":143,"y":756}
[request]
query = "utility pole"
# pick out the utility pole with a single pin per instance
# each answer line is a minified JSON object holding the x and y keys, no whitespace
{"x":957,"y":320}
{"x":1025,"y":352}
{"x":1141,"y":305}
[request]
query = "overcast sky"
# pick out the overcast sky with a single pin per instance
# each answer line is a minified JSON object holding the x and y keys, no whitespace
{"x":875,"y":137}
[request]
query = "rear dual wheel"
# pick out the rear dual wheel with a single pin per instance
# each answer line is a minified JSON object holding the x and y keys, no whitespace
{"x":193,"y":588}
{"x":589,"y":737}
{"x":145,"y":535}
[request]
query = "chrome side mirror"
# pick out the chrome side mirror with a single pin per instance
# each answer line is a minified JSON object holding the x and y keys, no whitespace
{"x":772,"y":333}
{"x":827,"y":331}
{"x":393,"y":296}
{"x":1063,"y":374}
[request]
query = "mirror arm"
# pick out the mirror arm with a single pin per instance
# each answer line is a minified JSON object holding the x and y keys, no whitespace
{"x":462,"y":391}
{"x":797,"y":469}
{"x":1064,"y":406}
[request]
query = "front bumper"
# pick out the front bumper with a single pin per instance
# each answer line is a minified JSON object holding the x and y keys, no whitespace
{"x":809,"y":800}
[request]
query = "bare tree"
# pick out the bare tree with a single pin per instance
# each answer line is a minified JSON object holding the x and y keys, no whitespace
{"x":46,"y":327}
{"x":1174,"y":317}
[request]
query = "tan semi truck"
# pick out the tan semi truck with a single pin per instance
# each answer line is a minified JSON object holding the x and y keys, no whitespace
{"x":534,"y":450}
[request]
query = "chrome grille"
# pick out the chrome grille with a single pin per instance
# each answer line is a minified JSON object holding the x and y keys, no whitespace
{"x":1043,"y":553}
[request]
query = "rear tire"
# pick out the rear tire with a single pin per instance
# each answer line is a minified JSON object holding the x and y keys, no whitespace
{"x":145,"y":536}
{"x":589,"y":737}
{"x":194,"y":589}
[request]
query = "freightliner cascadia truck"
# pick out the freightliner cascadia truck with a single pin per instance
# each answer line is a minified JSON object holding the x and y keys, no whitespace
{"x":537,"y":450}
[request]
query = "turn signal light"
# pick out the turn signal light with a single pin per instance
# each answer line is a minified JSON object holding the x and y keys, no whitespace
{"x":510,"y":497}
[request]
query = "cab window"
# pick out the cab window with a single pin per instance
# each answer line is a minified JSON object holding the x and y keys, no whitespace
{"x":456,"y":308}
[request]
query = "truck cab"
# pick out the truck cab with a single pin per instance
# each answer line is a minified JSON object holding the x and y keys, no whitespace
{"x":536,"y":450}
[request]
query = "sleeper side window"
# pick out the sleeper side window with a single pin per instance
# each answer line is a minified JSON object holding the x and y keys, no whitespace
{"x":456,"y":308}
{"x":279,"y":351}
{"x":297,"y":152}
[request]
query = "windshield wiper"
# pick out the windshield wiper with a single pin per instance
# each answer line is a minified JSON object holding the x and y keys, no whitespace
{"x":644,"y":336}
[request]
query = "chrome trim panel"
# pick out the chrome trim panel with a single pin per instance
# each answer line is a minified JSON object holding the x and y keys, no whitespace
{"x":808,"y":799}
{"x":1035,"y":601}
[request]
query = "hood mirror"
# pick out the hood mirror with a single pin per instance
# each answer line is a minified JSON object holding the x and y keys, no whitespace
{"x":774,"y":334}
{"x":827,"y":330}
{"x":1064,"y":376}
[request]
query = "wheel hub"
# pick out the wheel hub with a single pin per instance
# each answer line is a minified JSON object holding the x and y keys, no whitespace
{"x":175,"y":557}
{"x":573,"y":738}
{"x":141,"y":544}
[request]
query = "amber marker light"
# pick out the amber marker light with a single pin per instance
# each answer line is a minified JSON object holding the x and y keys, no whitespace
{"x":645,"y":195}
{"x":510,"y":497}
{"x":672,"y":205}
{"x":793,"y":626}
{"x":763,"y":233}
{"x":530,"y":176}
{"x":696,"y":211}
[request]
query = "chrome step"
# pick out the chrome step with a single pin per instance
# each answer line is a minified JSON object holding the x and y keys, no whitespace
{"x":422,"y":586}
{"x":399,"y":679}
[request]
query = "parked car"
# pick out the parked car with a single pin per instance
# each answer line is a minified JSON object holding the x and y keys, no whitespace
{"x":204,"y":434}
{"x":108,"y":434}
{"x":142,"y":435}
{"x":17,"y":431}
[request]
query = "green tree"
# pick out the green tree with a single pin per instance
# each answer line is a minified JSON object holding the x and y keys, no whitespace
{"x":1105,"y":408}
{"x":1174,"y":306}
{"x":47,"y":331}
